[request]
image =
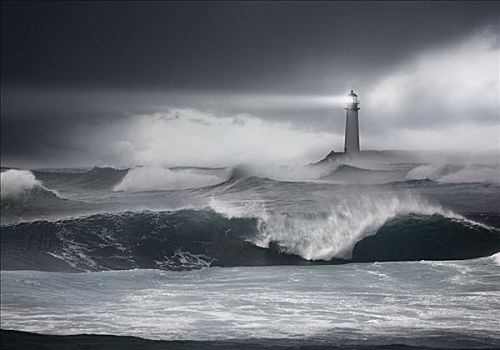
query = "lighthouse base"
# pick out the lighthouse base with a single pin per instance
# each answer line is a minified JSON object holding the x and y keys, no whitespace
{"x":335,"y":158}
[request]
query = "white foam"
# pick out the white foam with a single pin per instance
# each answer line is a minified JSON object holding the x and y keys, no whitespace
{"x":17,"y":182}
{"x":184,"y":260}
{"x":496,"y":258}
{"x":333,"y":232}
{"x":158,"y":178}
{"x":343,"y":302}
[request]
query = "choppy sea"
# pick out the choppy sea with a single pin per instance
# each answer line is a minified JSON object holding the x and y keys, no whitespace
{"x":342,"y":255}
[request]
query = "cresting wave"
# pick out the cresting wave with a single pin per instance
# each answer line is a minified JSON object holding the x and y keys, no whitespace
{"x":191,"y":239}
{"x":156,"y":178}
{"x":81,"y":179}
{"x":15,"y":183}
{"x":334,"y":231}
{"x":252,"y":221}
{"x":22,"y":192}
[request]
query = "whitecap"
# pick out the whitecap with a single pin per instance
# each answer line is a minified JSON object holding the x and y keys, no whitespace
{"x":17,"y":182}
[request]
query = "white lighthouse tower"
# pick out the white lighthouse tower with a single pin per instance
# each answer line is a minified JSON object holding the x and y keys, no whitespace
{"x":351,"y":145}
{"x":351,"y":142}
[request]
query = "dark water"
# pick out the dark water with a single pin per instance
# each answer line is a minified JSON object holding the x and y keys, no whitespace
{"x":335,"y":256}
{"x":188,"y":239}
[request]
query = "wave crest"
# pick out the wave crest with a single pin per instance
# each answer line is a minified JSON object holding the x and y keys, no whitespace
{"x":156,"y":178}
{"x":191,"y":239}
{"x":22,"y":186}
{"x":15,"y":183}
{"x":334,"y":231}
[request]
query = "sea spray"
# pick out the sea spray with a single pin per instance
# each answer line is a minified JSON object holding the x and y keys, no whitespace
{"x":333,"y":232}
{"x":22,"y":191}
{"x":15,"y":183}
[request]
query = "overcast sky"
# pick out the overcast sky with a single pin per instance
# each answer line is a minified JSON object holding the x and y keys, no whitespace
{"x":213,"y":83}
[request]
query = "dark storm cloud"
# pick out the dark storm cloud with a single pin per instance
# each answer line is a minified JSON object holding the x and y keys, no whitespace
{"x":240,"y":45}
{"x":71,"y":69}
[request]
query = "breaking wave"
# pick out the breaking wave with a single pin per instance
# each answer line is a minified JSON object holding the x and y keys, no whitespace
{"x":16,"y":183}
{"x":191,"y":239}
{"x":24,"y":197}
{"x":158,"y":178}
{"x":334,"y":231}
{"x":22,"y":190}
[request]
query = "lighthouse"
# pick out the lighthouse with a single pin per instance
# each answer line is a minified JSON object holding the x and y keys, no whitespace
{"x":351,"y":142}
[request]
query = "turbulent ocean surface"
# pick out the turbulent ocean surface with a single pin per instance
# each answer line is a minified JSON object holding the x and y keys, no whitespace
{"x":339,"y":255}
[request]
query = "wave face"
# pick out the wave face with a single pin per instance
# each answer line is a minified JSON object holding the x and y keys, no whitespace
{"x":426,"y":238}
{"x":167,"y":240}
{"x":189,"y":239}
{"x":158,"y":178}
{"x":332,"y":230}
{"x":109,"y":218}
{"x":81,"y":179}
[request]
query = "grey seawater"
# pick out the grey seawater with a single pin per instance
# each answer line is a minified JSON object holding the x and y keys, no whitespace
{"x":438,"y":304}
{"x":434,"y":304}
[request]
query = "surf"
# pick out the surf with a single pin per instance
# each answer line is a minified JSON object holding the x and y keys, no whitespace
{"x":193,"y":239}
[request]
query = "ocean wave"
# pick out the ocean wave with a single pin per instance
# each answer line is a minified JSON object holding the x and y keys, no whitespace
{"x":429,"y":172}
{"x":96,"y":178}
{"x":471,"y":174}
{"x":333,"y":173}
{"x":16,"y":183}
{"x":190,"y":239}
{"x":24,"y":197}
{"x":455,"y":174}
{"x":334,"y":231}
{"x":176,"y":240}
{"x":156,"y":178}
{"x":360,"y":174}
{"x":20,"y":188}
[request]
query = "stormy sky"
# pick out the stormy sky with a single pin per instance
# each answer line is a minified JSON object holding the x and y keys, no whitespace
{"x":215,"y":83}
